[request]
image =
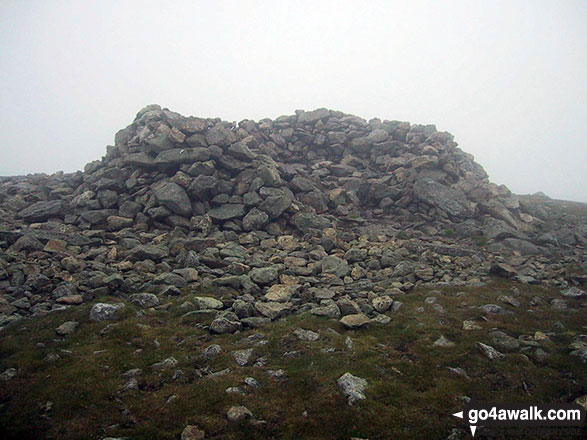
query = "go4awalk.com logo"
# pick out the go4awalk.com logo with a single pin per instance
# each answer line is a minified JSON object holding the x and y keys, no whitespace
{"x":489,"y":414}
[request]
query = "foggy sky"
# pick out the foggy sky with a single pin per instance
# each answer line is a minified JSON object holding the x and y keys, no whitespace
{"x":507,"y":78}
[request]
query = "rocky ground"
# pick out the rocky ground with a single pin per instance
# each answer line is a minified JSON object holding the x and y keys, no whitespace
{"x":193,"y":233}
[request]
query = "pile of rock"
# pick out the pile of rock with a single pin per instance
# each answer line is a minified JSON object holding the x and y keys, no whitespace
{"x":318,"y":211}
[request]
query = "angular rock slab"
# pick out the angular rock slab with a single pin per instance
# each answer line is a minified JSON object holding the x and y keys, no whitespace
{"x":352,"y":387}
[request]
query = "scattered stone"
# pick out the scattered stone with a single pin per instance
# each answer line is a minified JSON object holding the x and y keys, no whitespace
{"x":352,"y":387}
{"x":469,"y":325}
{"x":105,"y":312}
{"x":489,"y":352}
{"x":443,"y":342}
{"x":8,"y":374}
{"x":306,"y":335}
{"x":170,"y":362}
{"x":67,"y":328}
{"x":353,"y":322}
{"x":236,"y":414}
{"x":144,"y":300}
{"x":191,"y":432}
{"x":242,"y":357}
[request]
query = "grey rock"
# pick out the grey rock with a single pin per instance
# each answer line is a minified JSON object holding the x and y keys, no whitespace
{"x":264,"y":275}
{"x":67,"y":328}
{"x":241,"y":152}
{"x":352,"y":387}
{"x":255,"y":219}
{"x":353,"y":322}
{"x":272,"y":310}
{"x":489,"y":352}
{"x":443,"y":342}
{"x":224,"y":324}
{"x":8,"y":374}
{"x":327,"y":309}
{"x":170,"y":362}
{"x":206,"y":302}
{"x":212,"y":351}
{"x":179,"y":156}
{"x":226,"y":212}
{"x":220,"y":136}
{"x":450,"y":200}
{"x":174,"y":197}
{"x":148,"y":252}
{"x":306,"y":335}
{"x":41,"y":211}
{"x":105,"y":312}
{"x":142,"y":159}
{"x":382,"y":303}
{"x":236,"y":414}
{"x":144,"y":300}
{"x":574,"y":292}
{"x":242,"y":357}
{"x":305,"y":221}
{"x":333,"y":264}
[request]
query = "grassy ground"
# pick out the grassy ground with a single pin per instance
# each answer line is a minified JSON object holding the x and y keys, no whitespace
{"x":411,"y":393}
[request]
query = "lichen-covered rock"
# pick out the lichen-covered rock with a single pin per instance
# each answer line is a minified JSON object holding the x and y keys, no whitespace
{"x":352,"y":387}
{"x":105,"y":312}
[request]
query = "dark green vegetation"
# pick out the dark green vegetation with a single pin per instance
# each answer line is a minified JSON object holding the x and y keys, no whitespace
{"x":411,"y":393}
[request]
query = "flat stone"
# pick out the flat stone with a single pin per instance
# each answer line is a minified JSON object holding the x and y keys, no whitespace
{"x":105,"y":312}
{"x":355,"y":321}
{"x":226,"y":212}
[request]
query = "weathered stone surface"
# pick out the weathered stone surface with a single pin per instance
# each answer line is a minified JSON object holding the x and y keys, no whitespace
{"x":272,"y":310}
{"x":174,"y":197}
{"x":280,"y":293}
{"x":255,"y":219}
{"x":148,"y":251}
{"x":177,"y":156}
{"x":105,"y":312}
{"x":352,"y":387}
{"x":191,"y":432}
{"x":225,"y":324}
{"x":356,"y":321}
{"x":42,"y":211}
{"x":227,"y":212}
{"x":237,"y":414}
{"x":207,"y":302}
{"x":144,"y":300}
{"x":489,"y":352}
{"x":450,"y":200}
{"x":67,"y":328}
{"x":264,"y":275}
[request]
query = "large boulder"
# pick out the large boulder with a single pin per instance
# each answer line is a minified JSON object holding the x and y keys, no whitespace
{"x":452,"y":201}
{"x":42,"y":211}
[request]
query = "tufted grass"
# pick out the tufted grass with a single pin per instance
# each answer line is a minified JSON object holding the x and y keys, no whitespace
{"x":411,"y":393}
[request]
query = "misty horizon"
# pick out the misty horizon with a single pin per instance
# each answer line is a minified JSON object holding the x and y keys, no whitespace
{"x":506,"y":79}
